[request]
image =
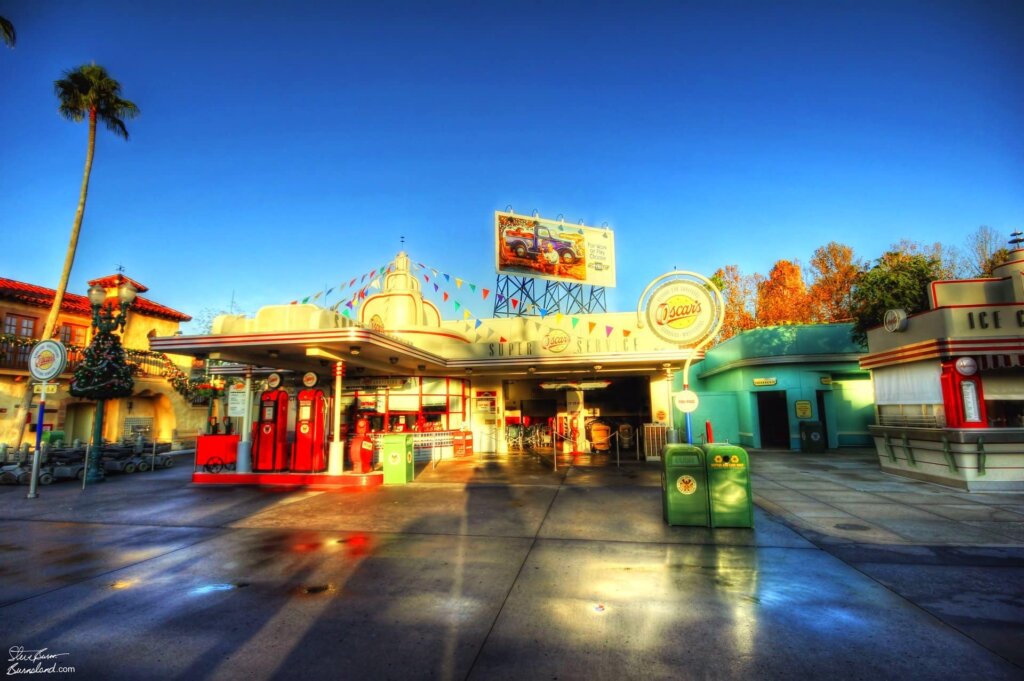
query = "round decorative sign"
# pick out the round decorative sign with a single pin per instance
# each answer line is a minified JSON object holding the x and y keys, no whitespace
{"x":686,"y":484}
{"x":273,"y":381}
{"x":895,"y":321}
{"x":47,"y":360}
{"x":687,"y":401}
{"x":681,"y":312}
{"x":304,"y":428}
{"x":966,"y":366}
{"x":681,"y":308}
{"x":309,"y":379}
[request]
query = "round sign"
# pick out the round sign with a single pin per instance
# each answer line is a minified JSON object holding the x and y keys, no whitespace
{"x":895,"y":321}
{"x":686,"y":484}
{"x":47,"y":360}
{"x":660,"y":416}
{"x":273,"y":381}
{"x":304,"y":428}
{"x":309,"y":379}
{"x":966,"y":366}
{"x":681,"y":308}
{"x":687,"y":401}
{"x":266,"y":429}
{"x":394,"y":458}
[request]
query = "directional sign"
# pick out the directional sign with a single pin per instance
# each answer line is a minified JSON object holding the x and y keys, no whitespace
{"x":686,"y":401}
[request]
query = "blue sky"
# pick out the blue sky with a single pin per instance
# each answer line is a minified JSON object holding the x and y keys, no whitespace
{"x":285,"y":147}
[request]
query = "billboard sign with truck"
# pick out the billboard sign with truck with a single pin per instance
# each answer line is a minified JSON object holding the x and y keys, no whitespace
{"x":554,"y":250}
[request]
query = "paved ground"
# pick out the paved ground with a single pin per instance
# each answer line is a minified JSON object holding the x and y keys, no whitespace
{"x":504,"y":569}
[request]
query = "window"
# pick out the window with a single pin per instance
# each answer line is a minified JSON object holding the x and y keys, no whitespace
{"x":72,"y":334}
{"x":23,"y":327}
{"x":17,"y":325}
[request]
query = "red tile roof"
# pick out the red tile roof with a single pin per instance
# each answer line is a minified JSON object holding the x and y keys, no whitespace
{"x":114,"y":280}
{"x":38,"y":296}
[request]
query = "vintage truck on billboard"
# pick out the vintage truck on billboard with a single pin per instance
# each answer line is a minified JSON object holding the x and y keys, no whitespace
{"x":554,"y":250}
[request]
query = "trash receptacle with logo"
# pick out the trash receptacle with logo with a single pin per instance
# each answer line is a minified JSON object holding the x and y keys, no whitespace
{"x":731,"y":501}
{"x":396,"y":457}
{"x":684,"y":486}
{"x":812,"y":436}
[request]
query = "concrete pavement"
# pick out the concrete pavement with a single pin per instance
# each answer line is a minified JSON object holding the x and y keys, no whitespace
{"x":502,"y":568}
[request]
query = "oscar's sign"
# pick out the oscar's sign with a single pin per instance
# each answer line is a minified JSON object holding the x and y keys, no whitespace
{"x":681,"y":308}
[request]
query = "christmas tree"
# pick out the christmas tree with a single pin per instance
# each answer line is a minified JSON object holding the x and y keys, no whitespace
{"x":103,"y":373}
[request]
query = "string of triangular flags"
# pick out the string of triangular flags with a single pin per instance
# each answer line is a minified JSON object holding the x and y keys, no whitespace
{"x":367,"y":281}
{"x":474,"y":323}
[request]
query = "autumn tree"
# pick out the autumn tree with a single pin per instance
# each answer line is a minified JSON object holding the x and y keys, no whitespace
{"x":833,"y":270}
{"x":898,"y":280}
{"x":782,"y":296}
{"x":740,"y":294}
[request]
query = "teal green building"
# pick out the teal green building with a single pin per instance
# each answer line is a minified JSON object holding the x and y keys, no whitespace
{"x":766,"y":386}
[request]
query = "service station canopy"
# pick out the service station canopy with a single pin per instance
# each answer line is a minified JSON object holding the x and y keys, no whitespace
{"x":367,"y":352}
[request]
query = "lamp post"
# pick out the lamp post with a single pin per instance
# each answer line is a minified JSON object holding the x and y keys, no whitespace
{"x":109,"y":376}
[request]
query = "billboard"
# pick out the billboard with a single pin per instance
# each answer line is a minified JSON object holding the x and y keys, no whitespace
{"x":553,"y":250}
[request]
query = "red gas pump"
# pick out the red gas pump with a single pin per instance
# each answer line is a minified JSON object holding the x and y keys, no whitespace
{"x":360,"y":449}
{"x":308,"y":451}
{"x":269,"y":444}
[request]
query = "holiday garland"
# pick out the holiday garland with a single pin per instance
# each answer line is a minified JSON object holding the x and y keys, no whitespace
{"x":179,"y":380}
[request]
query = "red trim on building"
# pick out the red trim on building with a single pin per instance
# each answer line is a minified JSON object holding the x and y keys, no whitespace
{"x":942,"y":347}
{"x":39,"y":296}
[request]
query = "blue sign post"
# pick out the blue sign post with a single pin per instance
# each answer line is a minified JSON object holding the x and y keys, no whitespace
{"x":46,"y":362}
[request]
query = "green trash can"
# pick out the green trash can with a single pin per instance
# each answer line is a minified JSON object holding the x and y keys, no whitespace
{"x":731,"y":501}
{"x":396,"y":457}
{"x":52,"y":436}
{"x":812,"y":436}
{"x":684,"y":499}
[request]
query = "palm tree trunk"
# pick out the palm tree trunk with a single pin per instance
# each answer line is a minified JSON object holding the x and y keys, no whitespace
{"x":69,"y":260}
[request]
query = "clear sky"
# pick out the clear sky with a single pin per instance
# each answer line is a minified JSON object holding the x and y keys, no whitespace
{"x":284,"y":147}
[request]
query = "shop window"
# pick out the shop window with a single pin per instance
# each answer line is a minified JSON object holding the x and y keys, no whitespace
{"x":1004,"y":397}
{"x":912,"y":415}
{"x":434,"y":386}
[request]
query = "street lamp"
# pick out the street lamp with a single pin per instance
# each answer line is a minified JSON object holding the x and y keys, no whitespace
{"x":103,"y":317}
{"x":104,"y":374}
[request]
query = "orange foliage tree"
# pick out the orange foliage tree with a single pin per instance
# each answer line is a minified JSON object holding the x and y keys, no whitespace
{"x":834,"y":271}
{"x":782,"y":297}
{"x":740,"y":293}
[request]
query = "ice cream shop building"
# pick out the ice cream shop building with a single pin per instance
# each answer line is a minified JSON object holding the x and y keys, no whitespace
{"x":949,"y":383}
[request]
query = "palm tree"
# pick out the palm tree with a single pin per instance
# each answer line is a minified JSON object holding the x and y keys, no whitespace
{"x":85,"y":92}
{"x":7,"y":32}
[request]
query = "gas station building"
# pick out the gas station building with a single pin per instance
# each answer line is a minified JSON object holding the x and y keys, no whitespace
{"x":400,"y":367}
